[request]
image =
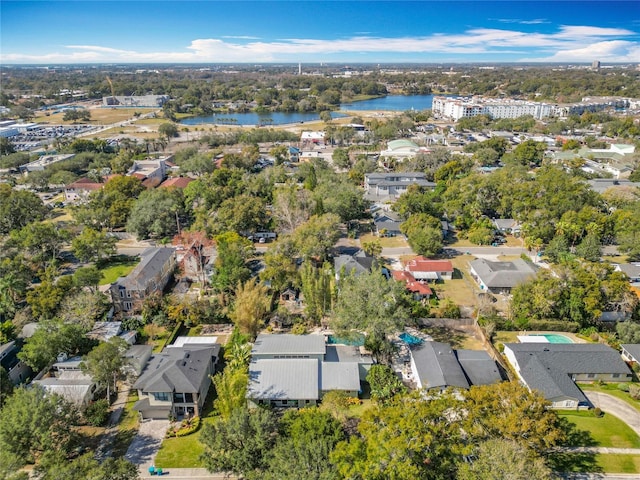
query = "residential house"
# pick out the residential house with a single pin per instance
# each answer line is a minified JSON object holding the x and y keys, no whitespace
{"x":176,"y":381}
{"x":631,"y":352}
{"x":137,"y":357}
{"x":601,"y":185}
{"x":400,"y":150}
{"x":196,"y":261}
{"x":508,"y":226}
{"x":425,"y":269}
{"x":631,"y":270}
{"x":311,"y":139}
{"x":554,"y":368}
{"x":501,"y":277}
{"x":297,"y":370}
{"x":79,"y":190}
{"x":387,"y":224}
{"x":436,"y":365}
{"x":69,"y":381}
{"x":419,"y":291}
{"x":356,"y":264}
{"x":103,"y":331}
{"x":151,"y":275}
{"x":390,"y":185}
{"x":150,"y":172}
{"x":138,"y":101}
{"x":176,"y":182}
{"x":18,"y":370}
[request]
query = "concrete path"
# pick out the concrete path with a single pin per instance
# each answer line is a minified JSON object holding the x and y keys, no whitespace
{"x":146,"y":443}
{"x":608,"y":450}
{"x":105,"y":448}
{"x":596,"y":476}
{"x":615,"y":406}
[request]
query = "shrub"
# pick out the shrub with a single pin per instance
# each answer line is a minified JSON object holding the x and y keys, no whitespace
{"x":354,"y":401}
{"x":97,"y":413}
{"x":186,"y":427}
{"x":634,"y":391}
{"x":623,"y":386}
{"x":596,"y":412}
{"x":299,"y":329}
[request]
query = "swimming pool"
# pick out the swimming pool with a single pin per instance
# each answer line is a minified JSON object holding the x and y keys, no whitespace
{"x":554,"y":337}
{"x":409,"y":339}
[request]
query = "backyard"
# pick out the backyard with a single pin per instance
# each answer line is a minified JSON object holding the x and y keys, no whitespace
{"x":117,"y":267}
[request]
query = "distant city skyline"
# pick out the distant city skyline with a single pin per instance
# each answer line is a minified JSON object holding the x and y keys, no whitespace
{"x":54,"y":32}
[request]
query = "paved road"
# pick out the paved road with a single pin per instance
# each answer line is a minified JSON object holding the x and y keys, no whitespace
{"x":615,"y":406}
{"x":501,"y":250}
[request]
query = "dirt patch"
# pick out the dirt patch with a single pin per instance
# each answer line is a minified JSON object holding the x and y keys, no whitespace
{"x":460,"y":336}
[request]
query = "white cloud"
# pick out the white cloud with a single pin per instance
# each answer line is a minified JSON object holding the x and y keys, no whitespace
{"x":569,"y":43}
{"x":535,"y":21}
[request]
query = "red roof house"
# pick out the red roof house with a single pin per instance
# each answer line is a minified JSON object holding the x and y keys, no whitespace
{"x":176,"y":182}
{"x":419,"y":290}
{"x":426,"y":269}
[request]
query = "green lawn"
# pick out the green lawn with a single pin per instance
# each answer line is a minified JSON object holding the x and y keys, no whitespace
{"x":613,"y":390}
{"x":605,"y":431}
{"x":613,"y":463}
{"x":185,"y":452}
{"x":116,"y":269}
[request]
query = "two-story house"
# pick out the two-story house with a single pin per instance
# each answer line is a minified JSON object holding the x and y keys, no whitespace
{"x":151,"y":275}
{"x":176,"y":381}
{"x":297,"y":370}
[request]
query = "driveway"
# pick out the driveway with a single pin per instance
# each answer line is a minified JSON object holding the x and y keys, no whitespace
{"x":615,"y":406}
{"x":146,"y":443}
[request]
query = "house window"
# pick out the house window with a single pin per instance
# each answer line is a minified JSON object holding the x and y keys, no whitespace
{"x":178,"y":397}
{"x":616,"y":375}
{"x":161,"y":396}
{"x":121,"y":293}
{"x":591,"y":375}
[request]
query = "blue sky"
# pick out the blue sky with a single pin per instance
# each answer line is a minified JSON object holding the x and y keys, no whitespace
{"x":50,"y":32}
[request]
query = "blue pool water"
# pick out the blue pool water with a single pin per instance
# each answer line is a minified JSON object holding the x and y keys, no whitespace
{"x":410,"y":339}
{"x":555,"y":338}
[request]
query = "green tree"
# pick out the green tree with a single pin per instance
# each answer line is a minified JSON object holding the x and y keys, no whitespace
{"x":280,"y":153}
{"x":307,"y":438}
{"x":33,"y":422}
{"x":384,"y":383}
{"x":424,"y":233}
{"x":168,"y":130}
{"x":83,"y":308}
{"x":18,"y":208}
{"x":43,"y":242}
{"x":251,"y":307}
{"x":54,"y":466}
{"x":6,"y":386}
{"x":158,"y":213}
{"x":317,"y":287}
{"x":230,"y":266}
{"x":106,"y":363}
{"x":370,"y":303}
{"x":497,"y":459}
{"x":529,"y":152}
{"x":88,"y":277}
{"x":317,"y":235}
{"x":590,"y":248}
{"x":52,"y":338}
{"x":231,"y":391}
{"x":6,"y":147}
{"x":628,"y":332}
{"x":93,"y":245}
{"x":241,"y":444}
{"x":243,"y":214}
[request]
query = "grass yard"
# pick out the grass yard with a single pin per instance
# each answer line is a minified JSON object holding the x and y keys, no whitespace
{"x":386,"y":242}
{"x":185,"y":452}
{"x":614,"y":463}
{"x":613,"y":390}
{"x":605,"y":431}
{"x":127,"y":427}
{"x":116,"y":269}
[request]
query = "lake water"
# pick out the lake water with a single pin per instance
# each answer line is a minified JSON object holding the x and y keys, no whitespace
{"x":251,"y":118}
{"x":394,"y":103}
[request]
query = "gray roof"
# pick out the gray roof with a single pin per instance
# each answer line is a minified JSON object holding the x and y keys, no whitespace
{"x":437,"y":366}
{"x":177,"y":370}
{"x":288,"y":344}
{"x":503,"y":274}
{"x":152,"y":260}
{"x":277,"y":379}
{"x":376,"y":177}
{"x":600,"y":185}
{"x":548,"y":367}
{"x":105,"y":330}
{"x":358,"y":263}
{"x":632,"y":270}
{"x":479,"y":367}
{"x":633,"y":349}
{"x":339,"y":376}
{"x":346,"y":353}
{"x":505,"y":223}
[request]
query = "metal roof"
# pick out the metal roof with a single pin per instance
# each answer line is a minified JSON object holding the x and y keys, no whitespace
{"x":339,"y":376}
{"x":479,"y":367}
{"x":633,"y":349}
{"x":288,"y":344}
{"x":290,"y":379}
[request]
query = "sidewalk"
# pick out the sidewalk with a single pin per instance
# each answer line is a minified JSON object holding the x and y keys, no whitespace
{"x":191,"y":473}
{"x":106,"y":442}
